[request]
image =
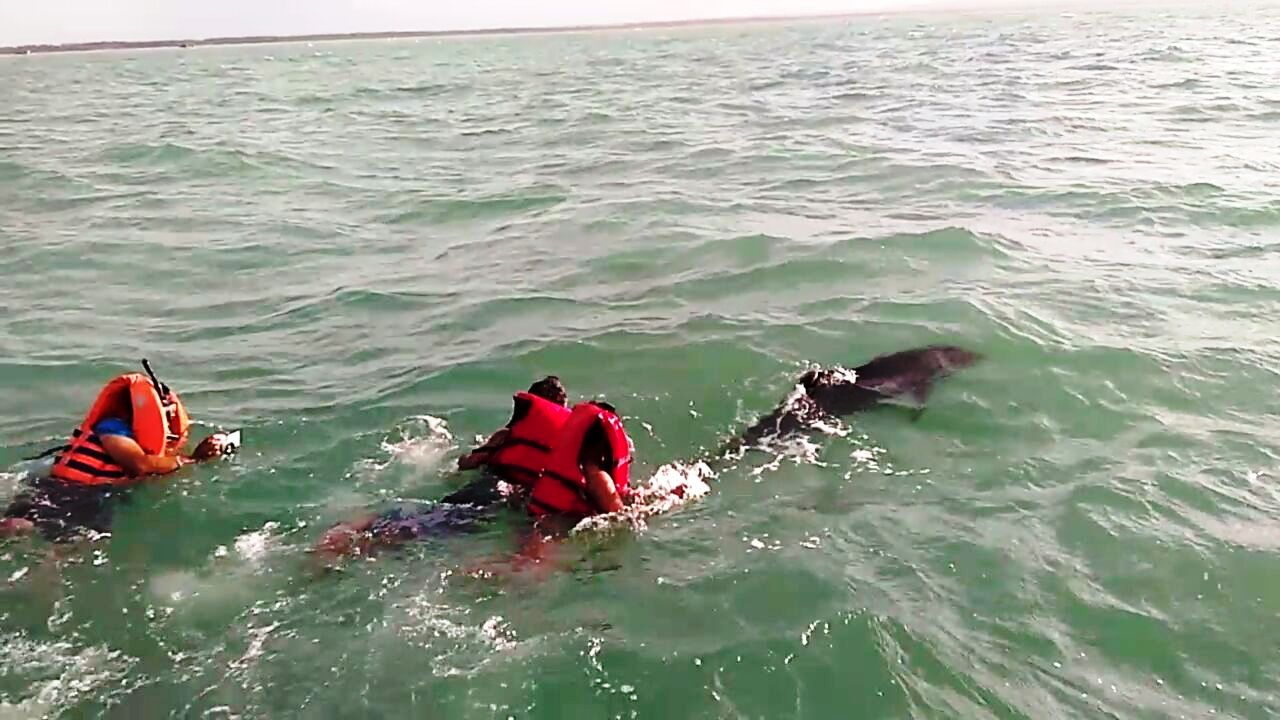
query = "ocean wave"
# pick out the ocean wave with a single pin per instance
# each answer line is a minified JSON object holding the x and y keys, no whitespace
{"x":443,"y":210}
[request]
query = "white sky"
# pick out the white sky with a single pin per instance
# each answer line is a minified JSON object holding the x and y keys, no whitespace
{"x":49,"y":21}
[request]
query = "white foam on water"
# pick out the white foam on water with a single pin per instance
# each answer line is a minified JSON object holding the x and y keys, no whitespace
{"x":176,"y":586}
{"x":419,"y":445}
{"x":871,"y":458}
{"x":833,"y":426}
{"x":257,"y":643}
{"x":671,"y":486}
{"x":254,"y":546}
{"x":423,"y":442}
{"x":796,"y":449}
{"x":762,"y":543}
{"x":458,"y":641}
{"x":229,"y":577}
{"x":844,"y":374}
{"x":9,"y":482}
{"x":61,"y":675}
{"x":797,"y":391}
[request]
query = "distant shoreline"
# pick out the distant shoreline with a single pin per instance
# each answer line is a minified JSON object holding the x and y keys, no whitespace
{"x":390,"y":35}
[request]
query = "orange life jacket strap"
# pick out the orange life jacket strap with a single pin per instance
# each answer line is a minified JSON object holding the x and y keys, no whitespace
{"x":86,"y":461}
{"x":96,"y":454}
{"x":110,"y":475}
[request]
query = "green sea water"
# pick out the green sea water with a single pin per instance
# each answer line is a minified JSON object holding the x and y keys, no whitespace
{"x":358,"y":251}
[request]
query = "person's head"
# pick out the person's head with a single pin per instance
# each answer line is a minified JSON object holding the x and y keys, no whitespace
{"x":595,"y":448}
{"x":120,"y":405}
{"x":550,"y":389}
{"x":595,"y":445}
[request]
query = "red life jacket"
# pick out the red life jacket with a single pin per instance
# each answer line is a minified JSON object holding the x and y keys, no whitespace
{"x":524,"y":453}
{"x":562,"y":487}
{"x":155,"y":425}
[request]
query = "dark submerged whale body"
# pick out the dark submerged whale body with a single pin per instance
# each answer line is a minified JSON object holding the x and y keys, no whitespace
{"x":822,"y":394}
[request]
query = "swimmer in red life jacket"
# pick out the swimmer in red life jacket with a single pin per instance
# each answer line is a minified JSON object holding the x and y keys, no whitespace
{"x":136,"y":427}
{"x":516,"y":453}
{"x":588,"y":473}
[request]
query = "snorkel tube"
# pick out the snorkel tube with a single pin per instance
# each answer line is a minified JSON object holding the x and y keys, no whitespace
{"x":161,"y":389}
{"x":174,"y":413}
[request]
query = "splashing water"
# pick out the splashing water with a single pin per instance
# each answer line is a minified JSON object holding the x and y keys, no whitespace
{"x":799,"y":450}
{"x":254,"y":546}
{"x":419,"y":446}
{"x":670,"y":487}
{"x":232,"y":575}
{"x":9,"y":482}
{"x":58,"y":673}
{"x":423,"y":442}
{"x":844,"y":374}
{"x":458,"y":643}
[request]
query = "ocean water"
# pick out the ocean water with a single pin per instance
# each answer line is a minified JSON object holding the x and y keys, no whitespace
{"x":357,"y":251}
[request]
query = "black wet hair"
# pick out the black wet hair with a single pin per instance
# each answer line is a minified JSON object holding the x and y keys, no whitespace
{"x":605,"y":405}
{"x":550,"y":389}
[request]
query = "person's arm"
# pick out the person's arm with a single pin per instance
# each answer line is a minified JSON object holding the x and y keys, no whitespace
{"x":346,"y":538}
{"x":126,"y":453}
{"x":601,"y":488}
{"x":480,"y":455}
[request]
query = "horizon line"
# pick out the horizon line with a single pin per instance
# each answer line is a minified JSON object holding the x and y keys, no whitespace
{"x":92,"y":45}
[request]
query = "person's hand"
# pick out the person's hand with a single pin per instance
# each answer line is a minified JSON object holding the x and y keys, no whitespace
{"x":209,"y":448}
{"x":473,"y":460}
